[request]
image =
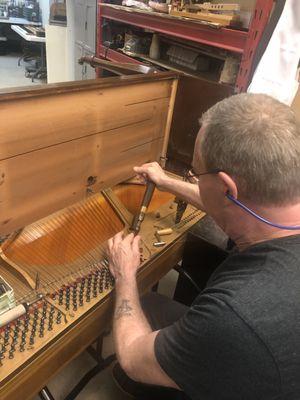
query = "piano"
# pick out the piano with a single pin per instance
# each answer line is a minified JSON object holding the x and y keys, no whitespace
{"x":67,"y":153}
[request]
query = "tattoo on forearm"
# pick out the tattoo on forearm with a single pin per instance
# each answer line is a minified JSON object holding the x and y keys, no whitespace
{"x":124,"y":309}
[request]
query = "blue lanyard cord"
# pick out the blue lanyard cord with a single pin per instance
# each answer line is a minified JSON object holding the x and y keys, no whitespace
{"x":248,"y":210}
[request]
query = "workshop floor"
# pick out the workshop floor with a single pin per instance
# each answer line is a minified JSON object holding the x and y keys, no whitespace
{"x":12,"y":75}
{"x":102,"y":386}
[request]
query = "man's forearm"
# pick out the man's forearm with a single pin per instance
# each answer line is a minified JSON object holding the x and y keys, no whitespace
{"x":129,"y":322}
{"x":186,"y":191}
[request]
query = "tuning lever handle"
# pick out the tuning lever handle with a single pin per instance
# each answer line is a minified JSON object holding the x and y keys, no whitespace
{"x":139,"y":217}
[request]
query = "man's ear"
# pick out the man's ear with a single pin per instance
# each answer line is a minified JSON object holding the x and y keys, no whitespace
{"x":229,"y":185}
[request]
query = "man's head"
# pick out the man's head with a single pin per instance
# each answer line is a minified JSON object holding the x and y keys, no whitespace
{"x":255,"y":140}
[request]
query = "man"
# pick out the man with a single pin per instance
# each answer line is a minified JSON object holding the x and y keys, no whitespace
{"x":241,"y":337}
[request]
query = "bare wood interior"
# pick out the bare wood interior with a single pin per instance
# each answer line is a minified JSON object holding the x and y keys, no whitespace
{"x":55,"y":146}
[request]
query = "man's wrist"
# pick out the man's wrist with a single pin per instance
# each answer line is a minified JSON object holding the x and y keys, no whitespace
{"x":166,"y":183}
{"x":127,"y":281}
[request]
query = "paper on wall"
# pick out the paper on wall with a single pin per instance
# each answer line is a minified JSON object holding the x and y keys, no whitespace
{"x":277,"y":70}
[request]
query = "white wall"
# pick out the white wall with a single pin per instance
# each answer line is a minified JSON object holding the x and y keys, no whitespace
{"x":60,"y":49}
{"x":57,"y":70}
{"x":45,"y":8}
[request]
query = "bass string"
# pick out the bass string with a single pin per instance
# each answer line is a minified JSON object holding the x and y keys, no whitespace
{"x":54,"y":282}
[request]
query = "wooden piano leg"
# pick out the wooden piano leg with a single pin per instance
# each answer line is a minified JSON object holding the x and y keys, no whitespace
{"x":45,"y":394}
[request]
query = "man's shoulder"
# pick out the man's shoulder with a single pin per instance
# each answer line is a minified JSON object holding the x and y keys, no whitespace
{"x":261,"y":265}
{"x":262,"y":286}
{"x":265,"y":277}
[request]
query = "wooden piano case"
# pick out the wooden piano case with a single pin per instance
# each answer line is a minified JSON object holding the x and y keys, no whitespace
{"x":65,"y":152}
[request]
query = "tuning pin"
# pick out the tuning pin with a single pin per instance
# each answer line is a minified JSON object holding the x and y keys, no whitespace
{"x":16,"y":329}
{"x":58,"y":317}
{"x":112,"y":280}
{"x":101,"y":286}
{"x":22,"y":347}
{"x":60,"y":297}
{"x":33,"y":329}
{"x":88,"y":293}
{"x":2,"y":351}
{"x":15,"y":337}
{"x":12,"y":350}
{"x":6,"y":339}
{"x":41,"y":333}
{"x":6,"y":333}
{"x":74,"y":292}
{"x":23,"y":342}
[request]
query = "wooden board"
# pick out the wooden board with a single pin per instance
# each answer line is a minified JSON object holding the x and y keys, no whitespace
{"x":190,"y":104}
{"x":58,"y":141}
{"x":221,"y":19}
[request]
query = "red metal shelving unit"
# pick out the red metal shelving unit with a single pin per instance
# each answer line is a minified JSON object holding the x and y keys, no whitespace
{"x":233,"y":40}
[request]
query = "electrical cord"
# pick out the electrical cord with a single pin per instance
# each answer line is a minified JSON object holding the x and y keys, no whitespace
{"x":183,"y":272}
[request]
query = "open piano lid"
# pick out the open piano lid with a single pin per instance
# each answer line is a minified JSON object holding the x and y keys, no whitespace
{"x":60,"y":141}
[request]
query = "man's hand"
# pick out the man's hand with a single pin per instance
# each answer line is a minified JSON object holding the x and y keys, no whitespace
{"x":152,"y":171}
{"x":184,"y":190}
{"x":124,"y":256}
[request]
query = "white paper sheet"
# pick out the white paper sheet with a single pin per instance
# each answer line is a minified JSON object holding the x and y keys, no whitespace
{"x":276,"y":72}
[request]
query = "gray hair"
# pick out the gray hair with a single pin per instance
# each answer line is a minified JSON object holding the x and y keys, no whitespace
{"x":256,"y":140}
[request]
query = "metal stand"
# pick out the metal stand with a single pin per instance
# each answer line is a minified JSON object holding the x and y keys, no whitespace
{"x":102,"y":363}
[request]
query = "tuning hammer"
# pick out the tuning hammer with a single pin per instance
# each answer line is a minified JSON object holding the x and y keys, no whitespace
{"x":139,"y":217}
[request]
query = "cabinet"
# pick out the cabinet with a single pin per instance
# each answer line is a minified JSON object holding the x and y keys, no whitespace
{"x":238,"y":42}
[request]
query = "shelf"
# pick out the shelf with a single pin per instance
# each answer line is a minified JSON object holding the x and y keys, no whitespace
{"x":224,"y":38}
{"x":118,"y":56}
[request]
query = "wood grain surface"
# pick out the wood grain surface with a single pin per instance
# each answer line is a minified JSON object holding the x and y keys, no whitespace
{"x":58,"y":144}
